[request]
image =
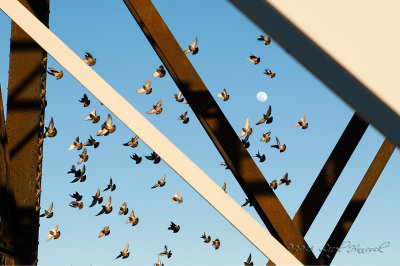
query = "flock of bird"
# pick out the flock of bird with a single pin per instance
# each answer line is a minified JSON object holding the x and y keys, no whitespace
{"x":107,"y":128}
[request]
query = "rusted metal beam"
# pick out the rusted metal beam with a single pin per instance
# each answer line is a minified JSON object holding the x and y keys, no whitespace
{"x":218,"y":128}
{"x":356,"y":203}
{"x":27,"y":83}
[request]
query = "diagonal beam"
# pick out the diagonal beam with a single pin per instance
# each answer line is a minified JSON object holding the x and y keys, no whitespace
{"x":217,"y":127}
{"x":356,"y":203}
{"x":128,"y":115}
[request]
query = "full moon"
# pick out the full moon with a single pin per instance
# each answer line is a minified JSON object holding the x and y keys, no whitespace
{"x":262,"y":96}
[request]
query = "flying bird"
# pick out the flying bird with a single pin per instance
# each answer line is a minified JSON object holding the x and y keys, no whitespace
{"x":160,"y":182}
{"x":83,"y":157}
{"x":123,"y":209}
{"x":85,"y":100}
{"x":93,"y":116}
{"x":56,"y":73}
{"x":133,"y":142}
{"x":254,"y":59}
{"x":224,"y":187}
{"x":266,"y":117}
{"x":273,"y":184}
{"x":278,"y":146}
{"x":302,"y":123}
{"x":224,"y":164}
{"x":136,"y":158}
{"x":206,"y":238}
{"x":132,"y":219}
{"x":110,"y":186}
{"x":216,"y":243}
{"x":266,"y":137}
{"x":106,"y":208}
{"x":266,"y":39}
{"x":48,"y":213}
{"x":160,"y":72}
{"x":76,"y":196}
{"x":192,"y":48}
{"x":91,"y":142}
{"x":246,"y":129}
{"x":124,"y":254}
{"x":154,"y":157}
{"x":51,"y":131}
{"x":89,"y":59}
{"x":175,"y":228}
{"x":247,"y":202}
{"x":166,"y":252}
{"x":176,"y":198}
{"x":145,"y":88}
{"x":96,"y":198}
{"x":223,"y":95}
{"x":246,"y":142}
{"x":76,"y":144}
{"x":285,"y":180}
{"x":54,"y":233}
{"x":79,"y":174}
{"x":75,"y":204}
{"x":261,"y":157}
{"x":248,"y":262}
{"x":104,"y":232}
{"x":179,"y":98}
{"x":269,"y":73}
{"x":156,"y":108}
{"x":184,"y":118}
{"x":107,"y":127}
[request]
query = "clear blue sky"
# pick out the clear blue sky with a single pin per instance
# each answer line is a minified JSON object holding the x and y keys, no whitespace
{"x":125,"y":60}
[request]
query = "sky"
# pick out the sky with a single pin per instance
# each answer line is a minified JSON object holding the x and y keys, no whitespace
{"x":125,"y":60}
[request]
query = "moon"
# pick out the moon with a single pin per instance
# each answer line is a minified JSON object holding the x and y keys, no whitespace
{"x":262,"y":96}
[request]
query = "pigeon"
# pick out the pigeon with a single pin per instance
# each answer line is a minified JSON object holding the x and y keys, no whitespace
{"x":110,"y":186}
{"x":96,"y":198}
{"x":160,"y":72}
{"x":136,"y":158}
{"x":302,"y":123}
{"x":223,"y":95}
{"x":160,"y":182}
{"x":133,"y":142}
{"x":254,"y":59}
{"x":175,"y":228}
{"x":166,"y":252}
{"x":206,"y":239}
{"x":93,"y":116}
{"x":266,"y":39}
{"x":89,"y":59}
{"x":76,"y":144}
{"x":247,"y":202}
{"x":104,"y":232}
{"x":76,"y":196}
{"x":265,"y":137}
{"x":79,"y":174}
{"x":132,"y":219}
{"x":83,"y":157}
{"x":216,"y":243}
{"x":106,"y":208}
{"x":145,"y":88}
{"x":51,"y":131}
{"x":156,"y":108}
{"x":54,"y":233}
{"x":224,"y":164}
{"x":91,"y":142}
{"x":176,"y":198}
{"x":107,"y":127}
{"x":246,"y":142}
{"x":248,"y":262}
{"x":154,"y":157}
{"x":278,"y":146}
{"x":192,"y":48}
{"x":48,"y":213}
{"x":123,"y":209}
{"x":285,"y":180}
{"x":246,"y":130}
{"x":266,"y":117}
{"x":85,"y":100}
{"x":224,"y":187}
{"x":56,"y":73}
{"x":261,"y":157}
{"x":273,"y":184}
{"x":159,"y":263}
{"x":269,"y":73}
{"x":75,"y":204}
{"x":179,"y":98}
{"x":124,"y":254}
{"x":184,"y":118}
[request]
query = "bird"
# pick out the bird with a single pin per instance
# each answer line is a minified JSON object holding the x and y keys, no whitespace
{"x":107,"y":127}
{"x":246,"y":129}
{"x":266,"y":117}
{"x":154,"y":157}
{"x":54,"y":233}
{"x":192,"y":48}
{"x":91,"y":142}
{"x":247,"y":202}
{"x":48,"y":213}
{"x":92,"y":116}
{"x":76,"y":144}
{"x":79,"y":174}
{"x":266,"y":137}
{"x":216,"y":243}
{"x":266,"y":39}
{"x":246,"y":142}
{"x":110,"y":186}
{"x":133,"y":142}
{"x":206,"y":238}
{"x":124,"y":254}
{"x":273,"y":184}
{"x":96,"y":198}
{"x":261,"y":157}
{"x":132,"y":219}
{"x":104,"y":232}
{"x":224,"y":187}
{"x":51,"y":131}
{"x":75,"y":204}
{"x":269,"y":73}
{"x":175,"y":228}
{"x":278,"y":146}
{"x":176,"y":198}
{"x":224,"y":164}
{"x":160,"y":72}
{"x":56,"y":73}
{"x":184,"y":118}
{"x":160,"y":182}
{"x":166,"y":252}
{"x":76,"y":196}
{"x":179,"y":98}
{"x":285,"y":180}
{"x":254,"y":59}
{"x":123,"y":209}
{"x":158,"y":263}
{"x":248,"y":262}
{"x":89,"y":59}
{"x":145,"y":88}
{"x":302,"y":123}
{"x":156,"y":108}
{"x":136,"y":158}
{"x":223,"y":95}
{"x":85,"y":100}
{"x":83,"y":157}
{"x":106,"y":208}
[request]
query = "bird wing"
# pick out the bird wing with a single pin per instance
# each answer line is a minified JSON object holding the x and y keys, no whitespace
{"x":285,"y":176}
{"x":98,"y":193}
{"x":247,"y":125}
{"x":194,"y":44}
{"x":89,"y":55}
{"x":224,"y":186}
{"x":109,"y":120}
{"x":159,"y":103}
{"x":49,"y":236}
{"x":141,"y":90}
{"x":156,"y":74}
{"x":152,"y":111}
{"x":51,"y":125}
{"x":242,"y":134}
{"x":187,"y":51}
{"x":101,"y":233}
{"x":277,"y":141}
{"x":108,"y":202}
{"x":269,"y":111}
{"x":163,"y":178}
{"x":126,"y":248}
{"x":147,"y":85}
{"x":51,"y":207}
{"x":219,"y":95}
{"x":303,"y":119}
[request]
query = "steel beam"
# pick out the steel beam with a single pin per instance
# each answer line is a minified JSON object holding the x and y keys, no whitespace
{"x":217,"y":127}
{"x":356,"y":203}
{"x":25,"y":120}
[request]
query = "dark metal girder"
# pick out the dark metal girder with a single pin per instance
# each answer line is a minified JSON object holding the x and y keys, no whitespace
{"x":218,"y":128}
